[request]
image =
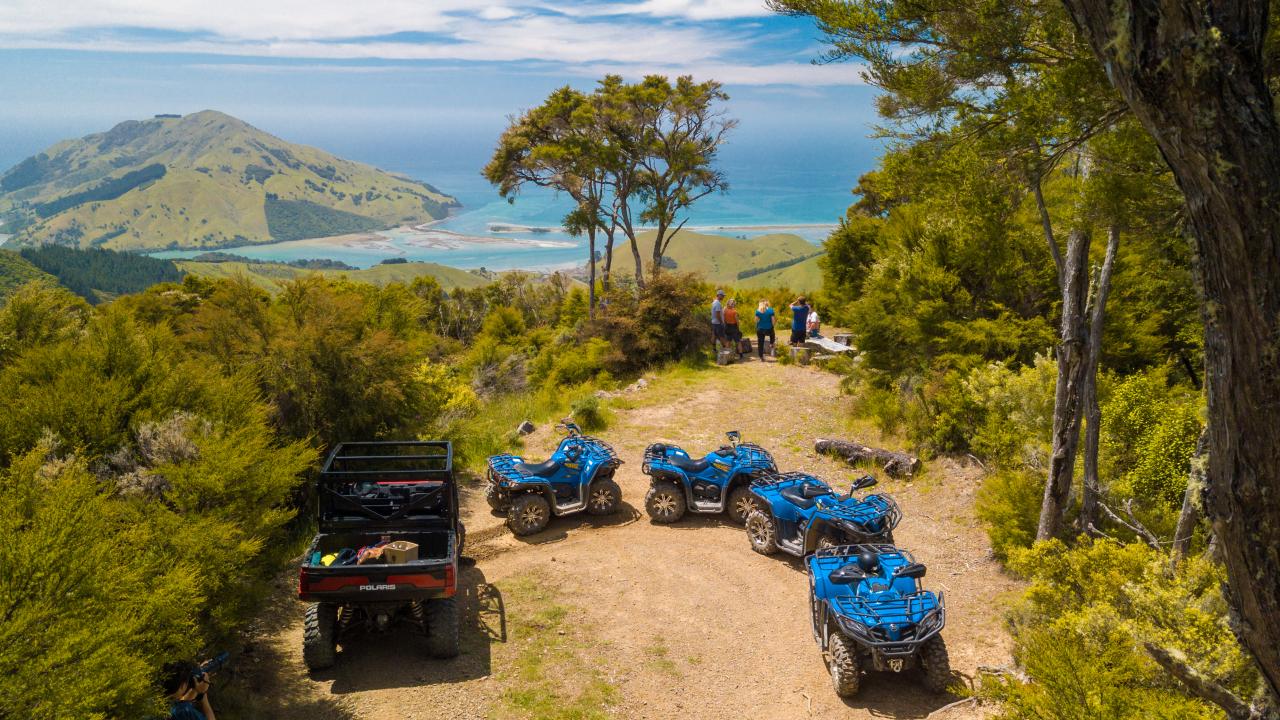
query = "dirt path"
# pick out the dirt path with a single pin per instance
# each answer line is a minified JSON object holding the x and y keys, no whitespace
{"x":651,"y":621}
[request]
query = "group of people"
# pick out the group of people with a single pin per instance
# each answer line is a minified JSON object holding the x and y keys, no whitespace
{"x":725,"y":331}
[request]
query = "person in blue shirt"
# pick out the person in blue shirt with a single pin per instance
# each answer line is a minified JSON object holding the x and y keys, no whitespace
{"x":764,"y":327}
{"x":799,"y":320}
{"x":187,"y":691}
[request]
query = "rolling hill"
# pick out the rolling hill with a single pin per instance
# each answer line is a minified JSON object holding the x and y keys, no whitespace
{"x":16,"y":270}
{"x":204,"y":180}
{"x":271,"y":276}
{"x":779,"y":260}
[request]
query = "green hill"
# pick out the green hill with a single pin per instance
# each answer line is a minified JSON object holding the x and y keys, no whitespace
{"x":204,"y":180}
{"x":271,"y":276}
{"x":721,"y":259}
{"x":15,"y":271}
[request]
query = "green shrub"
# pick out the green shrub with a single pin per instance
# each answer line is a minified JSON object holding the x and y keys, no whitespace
{"x":1078,"y":634}
{"x":588,"y":414}
{"x":1149,"y":434}
{"x":1008,"y":504}
{"x":146,"y":496}
{"x":662,"y":323}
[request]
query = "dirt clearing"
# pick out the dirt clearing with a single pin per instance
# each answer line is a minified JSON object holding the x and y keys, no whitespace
{"x":617,"y":617}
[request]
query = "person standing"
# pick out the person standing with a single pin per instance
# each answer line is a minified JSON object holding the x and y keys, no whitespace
{"x":799,"y":320}
{"x":815,"y":322}
{"x":718,"y":335}
{"x":764,"y":327}
{"x":731,"y":326}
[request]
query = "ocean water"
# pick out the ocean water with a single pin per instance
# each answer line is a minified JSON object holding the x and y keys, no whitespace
{"x":800,"y":185}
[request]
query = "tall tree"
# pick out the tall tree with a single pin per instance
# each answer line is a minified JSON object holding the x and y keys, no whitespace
{"x":1196,"y":76}
{"x":677,"y":131}
{"x":558,"y":145}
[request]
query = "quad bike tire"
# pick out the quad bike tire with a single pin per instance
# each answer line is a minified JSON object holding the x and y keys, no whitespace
{"x":664,"y":502}
{"x":762,"y":532}
{"x":603,"y":497}
{"x":528,"y":514}
{"x":842,"y":663}
{"x":827,"y":540}
{"x":319,"y":636}
{"x":443,"y":640}
{"x":741,"y":503}
{"x":497,"y":498}
{"x":936,"y":664}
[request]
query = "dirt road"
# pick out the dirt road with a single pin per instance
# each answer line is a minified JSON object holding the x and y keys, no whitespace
{"x":618,"y":617}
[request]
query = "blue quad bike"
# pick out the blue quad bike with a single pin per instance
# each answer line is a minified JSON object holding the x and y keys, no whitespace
{"x":719,"y":482}
{"x":577,"y":477}
{"x":870,"y":613}
{"x":797,"y":513}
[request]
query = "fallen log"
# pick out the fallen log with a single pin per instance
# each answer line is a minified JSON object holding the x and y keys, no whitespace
{"x":894,"y":464}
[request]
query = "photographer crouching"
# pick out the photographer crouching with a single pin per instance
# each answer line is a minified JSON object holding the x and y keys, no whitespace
{"x":186,"y":687}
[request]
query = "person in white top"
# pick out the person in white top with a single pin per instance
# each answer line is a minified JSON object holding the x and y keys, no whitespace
{"x":815,"y":322}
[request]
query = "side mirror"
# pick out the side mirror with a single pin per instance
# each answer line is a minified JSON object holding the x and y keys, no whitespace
{"x":734,"y":436}
{"x":914,"y":570}
{"x":570,"y":428}
{"x":862,"y":483}
{"x":846,"y":575}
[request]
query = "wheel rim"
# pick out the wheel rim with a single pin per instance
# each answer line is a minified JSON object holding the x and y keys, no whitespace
{"x":758,"y":530}
{"x":664,"y":504}
{"x":531,"y":516}
{"x":601,"y":498}
{"x":743,"y":507}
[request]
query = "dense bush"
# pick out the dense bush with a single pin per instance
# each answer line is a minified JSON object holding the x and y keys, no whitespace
{"x":668,"y":320}
{"x":108,"y":189}
{"x":301,"y":219}
{"x":1089,"y":607}
{"x":141,"y":519}
{"x":88,"y":273}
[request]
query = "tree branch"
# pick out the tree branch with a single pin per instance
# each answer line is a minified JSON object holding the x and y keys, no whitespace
{"x":1198,"y":684}
{"x":1135,"y":526}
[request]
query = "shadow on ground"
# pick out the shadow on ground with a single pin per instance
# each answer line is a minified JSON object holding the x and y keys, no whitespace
{"x":893,"y":695}
{"x":559,"y":527}
{"x":398,"y":658}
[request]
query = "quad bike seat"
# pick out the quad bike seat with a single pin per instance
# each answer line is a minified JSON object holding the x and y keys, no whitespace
{"x":803,"y":495}
{"x":542,"y":469}
{"x":689,"y":464}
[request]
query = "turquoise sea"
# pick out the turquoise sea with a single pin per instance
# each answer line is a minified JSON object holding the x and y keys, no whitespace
{"x":797,"y":185}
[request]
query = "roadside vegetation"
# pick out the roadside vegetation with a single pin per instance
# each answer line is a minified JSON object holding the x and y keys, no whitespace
{"x":157,"y":448}
{"x":991,"y":324}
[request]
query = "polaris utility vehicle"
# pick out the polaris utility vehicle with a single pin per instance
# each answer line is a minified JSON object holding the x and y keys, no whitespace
{"x":370,"y":494}
{"x":798,"y":513}
{"x":870,"y":613}
{"x":579,"y":476}
{"x":717,"y":483}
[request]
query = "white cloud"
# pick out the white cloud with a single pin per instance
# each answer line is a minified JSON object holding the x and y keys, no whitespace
{"x":652,"y":36}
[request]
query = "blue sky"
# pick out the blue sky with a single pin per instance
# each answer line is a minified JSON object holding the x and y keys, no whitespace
{"x":444,"y":72}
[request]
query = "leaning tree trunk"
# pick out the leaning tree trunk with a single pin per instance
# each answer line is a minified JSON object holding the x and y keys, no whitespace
{"x":1093,"y":413}
{"x":608,"y":262}
{"x":1190,"y":502}
{"x":1193,"y":73}
{"x":591,"y":274}
{"x":1071,"y":372}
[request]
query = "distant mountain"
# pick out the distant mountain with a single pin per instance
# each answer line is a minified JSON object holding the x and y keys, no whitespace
{"x":205,"y":180}
{"x":777,"y":260}
{"x":273,"y":276}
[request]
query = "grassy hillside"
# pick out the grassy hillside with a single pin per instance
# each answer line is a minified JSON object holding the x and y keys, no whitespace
{"x":271,"y":276}
{"x":720,"y":259}
{"x":204,"y":180}
{"x":15,"y":271}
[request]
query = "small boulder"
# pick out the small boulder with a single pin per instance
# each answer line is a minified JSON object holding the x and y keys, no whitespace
{"x":525,"y":428}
